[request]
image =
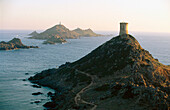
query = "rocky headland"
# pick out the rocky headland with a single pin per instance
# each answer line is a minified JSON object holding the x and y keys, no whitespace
{"x":54,"y":40}
{"x":15,"y":43}
{"x":117,"y":75}
{"x":63,"y":32}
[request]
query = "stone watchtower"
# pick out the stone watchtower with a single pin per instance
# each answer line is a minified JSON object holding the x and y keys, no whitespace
{"x":123,"y":28}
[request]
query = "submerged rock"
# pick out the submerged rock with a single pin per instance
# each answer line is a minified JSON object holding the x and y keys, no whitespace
{"x":37,"y":102}
{"x":37,"y":93}
{"x":50,"y":94}
{"x":36,"y":86}
{"x":24,"y":80}
{"x":26,"y":73}
{"x":50,"y":105}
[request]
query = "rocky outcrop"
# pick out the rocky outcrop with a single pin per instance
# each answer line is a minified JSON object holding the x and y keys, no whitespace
{"x":119,"y":74}
{"x":63,"y":32}
{"x":37,"y":93}
{"x":15,"y":43}
{"x":54,"y":40}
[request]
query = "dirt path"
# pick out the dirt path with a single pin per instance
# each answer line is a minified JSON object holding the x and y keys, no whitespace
{"x":78,"y":99}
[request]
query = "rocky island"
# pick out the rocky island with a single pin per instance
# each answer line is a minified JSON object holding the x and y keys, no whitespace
{"x":15,"y":43}
{"x":86,"y":33}
{"x":54,"y":40}
{"x":63,"y":32}
{"x":117,"y":75}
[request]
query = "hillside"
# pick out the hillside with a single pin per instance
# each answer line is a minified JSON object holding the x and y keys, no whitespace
{"x":15,"y":43}
{"x":117,"y":75}
{"x":63,"y":32}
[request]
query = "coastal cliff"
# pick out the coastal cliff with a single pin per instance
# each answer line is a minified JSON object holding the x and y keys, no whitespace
{"x":119,"y":74}
{"x":15,"y":43}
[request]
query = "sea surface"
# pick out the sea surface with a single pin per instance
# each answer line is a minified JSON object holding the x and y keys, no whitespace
{"x":16,"y":94}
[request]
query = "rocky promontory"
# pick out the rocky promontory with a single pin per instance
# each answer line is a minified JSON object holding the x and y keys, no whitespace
{"x":117,"y":75}
{"x":54,"y":40}
{"x":15,"y":43}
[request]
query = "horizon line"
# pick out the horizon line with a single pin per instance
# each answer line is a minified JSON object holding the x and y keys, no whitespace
{"x":73,"y":29}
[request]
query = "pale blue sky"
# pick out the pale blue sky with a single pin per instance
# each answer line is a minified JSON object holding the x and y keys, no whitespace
{"x":142,"y":15}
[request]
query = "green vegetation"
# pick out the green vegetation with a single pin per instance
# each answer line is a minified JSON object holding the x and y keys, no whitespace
{"x":104,"y":87}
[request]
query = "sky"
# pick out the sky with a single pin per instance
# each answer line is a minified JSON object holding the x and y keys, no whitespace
{"x":99,"y":15}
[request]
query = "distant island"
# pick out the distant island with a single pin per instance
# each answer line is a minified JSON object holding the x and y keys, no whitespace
{"x":15,"y":43}
{"x":63,"y":32}
{"x":34,"y":33}
{"x":119,"y":74}
{"x":86,"y":33}
{"x":54,"y":40}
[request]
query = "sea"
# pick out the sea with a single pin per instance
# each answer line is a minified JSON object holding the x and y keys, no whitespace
{"x":16,"y":94}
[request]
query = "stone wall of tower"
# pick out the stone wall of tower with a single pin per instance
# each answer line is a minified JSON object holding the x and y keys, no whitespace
{"x":123,"y":28}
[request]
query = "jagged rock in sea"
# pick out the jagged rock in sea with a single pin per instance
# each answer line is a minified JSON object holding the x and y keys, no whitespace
{"x":63,"y":32}
{"x":34,"y":33}
{"x":117,"y":75}
{"x":37,"y":93}
{"x":54,"y":40}
{"x":15,"y":43}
